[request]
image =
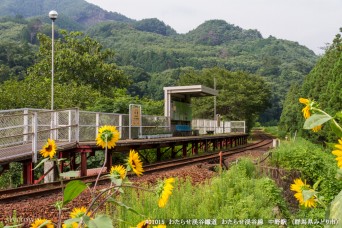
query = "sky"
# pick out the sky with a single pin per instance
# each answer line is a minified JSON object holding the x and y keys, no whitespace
{"x":313,"y":23}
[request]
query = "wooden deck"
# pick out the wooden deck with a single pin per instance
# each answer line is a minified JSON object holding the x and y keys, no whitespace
{"x":24,"y":152}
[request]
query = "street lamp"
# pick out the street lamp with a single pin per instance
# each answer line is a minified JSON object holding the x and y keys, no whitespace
{"x":53,"y":16}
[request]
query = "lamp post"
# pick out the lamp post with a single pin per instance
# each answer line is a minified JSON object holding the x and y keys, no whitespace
{"x":48,"y":164}
{"x":53,"y":16}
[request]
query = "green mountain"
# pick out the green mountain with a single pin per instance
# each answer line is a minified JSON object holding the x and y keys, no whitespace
{"x":154,"y":55}
{"x":79,"y":11}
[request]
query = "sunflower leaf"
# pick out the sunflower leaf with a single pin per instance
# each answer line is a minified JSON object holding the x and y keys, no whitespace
{"x":19,"y":225}
{"x":72,"y":220}
{"x":41,"y":163}
{"x":316,"y":120}
{"x":335,"y":211}
{"x":101,"y":221}
{"x":338,"y":175}
{"x":72,"y":190}
{"x":116,"y":181}
{"x":307,"y":194}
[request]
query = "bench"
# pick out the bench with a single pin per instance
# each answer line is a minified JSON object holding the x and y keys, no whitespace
{"x":183,"y":130}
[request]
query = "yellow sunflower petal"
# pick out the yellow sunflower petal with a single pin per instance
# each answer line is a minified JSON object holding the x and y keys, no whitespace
{"x":118,"y":170}
{"x":78,"y":212}
{"x":166,"y":191}
{"x":317,"y":128}
{"x":337,"y":153}
{"x":109,"y":134}
{"x":304,"y":101}
{"x":38,"y":222}
{"x":49,"y":149}
{"x":135,"y":163}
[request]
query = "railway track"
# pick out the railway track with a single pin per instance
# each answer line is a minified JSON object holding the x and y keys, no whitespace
{"x":48,"y":188}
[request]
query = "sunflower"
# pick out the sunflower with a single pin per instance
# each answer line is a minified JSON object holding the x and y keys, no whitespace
{"x":338,"y":153}
{"x":298,"y":187}
{"x":78,"y":212}
{"x":306,"y":109}
{"x":164,"y":191}
{"x":109,"y":134}
{"x":38,"y":222}
{"x":317,"y":128}
{"x":134,"y":163}
{"x":73,"y":225}
{"x":118,"y":170}
{"x":143,"y":224}
{"x":49,"y":149}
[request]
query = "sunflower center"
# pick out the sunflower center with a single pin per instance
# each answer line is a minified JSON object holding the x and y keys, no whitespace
{"x":49,"y":148}
{"x":107,"y":135}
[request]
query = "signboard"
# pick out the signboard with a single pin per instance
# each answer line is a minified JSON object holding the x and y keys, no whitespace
{"x":135,"y":116}
{"x":134,"y":119}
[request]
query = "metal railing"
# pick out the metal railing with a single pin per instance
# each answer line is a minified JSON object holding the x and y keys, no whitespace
{"x":34,"y":126}
{"x":205,"y":125}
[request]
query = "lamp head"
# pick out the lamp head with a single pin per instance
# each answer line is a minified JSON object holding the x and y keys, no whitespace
{"x":53,"y":15}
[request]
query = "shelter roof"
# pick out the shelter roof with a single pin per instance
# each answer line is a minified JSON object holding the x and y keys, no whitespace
{"x":192,"y":91}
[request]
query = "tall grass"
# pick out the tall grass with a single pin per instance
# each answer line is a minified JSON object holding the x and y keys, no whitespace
{"x":235,"y":194}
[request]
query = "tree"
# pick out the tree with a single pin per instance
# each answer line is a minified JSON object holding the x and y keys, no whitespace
{"x":323,"y":85}
{"x":35,"y":93}
{"x":78,"y":59}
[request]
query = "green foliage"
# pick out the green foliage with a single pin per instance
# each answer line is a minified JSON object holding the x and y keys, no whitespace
{"x":153,"y":52}
{"x":155,"y":26}
{"x":216,"y":32}
{"x":120,"y":101}
{"x":312,"y":161}
{"x":248,"y":95}
{"x":234,"y":194}
{"x":78,"y":59}
{"x":323,"y":85}
{"x":36,"y":93}
{"x":11,"y":178}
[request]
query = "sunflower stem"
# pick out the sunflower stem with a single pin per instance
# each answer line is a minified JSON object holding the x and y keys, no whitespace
{"x":104,"y":163}
{"x":62,"y":184}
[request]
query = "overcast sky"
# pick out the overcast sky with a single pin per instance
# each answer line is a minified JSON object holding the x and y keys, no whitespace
{"x":312,"y":23}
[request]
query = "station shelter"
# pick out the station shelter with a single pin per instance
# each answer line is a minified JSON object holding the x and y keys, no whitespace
{"x":177,"y":104}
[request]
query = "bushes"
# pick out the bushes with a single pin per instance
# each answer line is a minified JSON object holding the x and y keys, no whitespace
{"x":313,"y":161}
{"x":233,"y":195}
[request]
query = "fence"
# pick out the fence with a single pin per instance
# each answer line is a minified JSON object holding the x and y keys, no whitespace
{"x":204,"y":126}
{"x":33,"y":126}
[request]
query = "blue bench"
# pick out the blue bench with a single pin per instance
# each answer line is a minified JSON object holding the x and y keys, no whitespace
{"x":183,"y":130}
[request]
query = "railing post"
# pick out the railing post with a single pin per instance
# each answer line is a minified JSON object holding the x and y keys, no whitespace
{"x":77,"y":122}
{"x":55,"y":125}
{"x":69,"y":123}
{"x":97,"y":123}
{"x":34,"y":136}
{"x":25,"y":123}
{"x":120,"y":125}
